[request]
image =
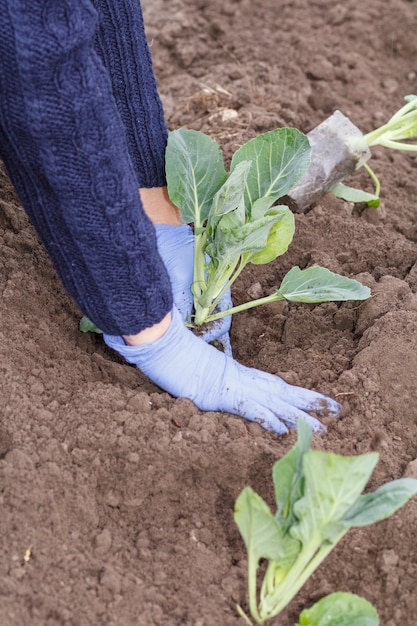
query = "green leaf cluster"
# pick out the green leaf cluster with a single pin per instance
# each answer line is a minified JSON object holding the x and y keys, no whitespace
{"x":319,"y":498}
{"x":236,"y":217}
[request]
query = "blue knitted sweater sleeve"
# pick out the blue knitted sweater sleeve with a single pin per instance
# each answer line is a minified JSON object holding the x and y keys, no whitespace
{"x":122,"y":45}
{"x":70,"y":155}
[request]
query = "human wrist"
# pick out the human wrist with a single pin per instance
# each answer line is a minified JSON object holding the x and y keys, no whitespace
{"x":148,"y":335}
{"x":158,"y":206}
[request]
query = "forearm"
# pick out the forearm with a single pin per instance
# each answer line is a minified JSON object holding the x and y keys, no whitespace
{"x":64,"y":146}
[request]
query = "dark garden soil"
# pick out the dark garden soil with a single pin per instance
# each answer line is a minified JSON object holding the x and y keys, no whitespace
{"x":116,"y":499}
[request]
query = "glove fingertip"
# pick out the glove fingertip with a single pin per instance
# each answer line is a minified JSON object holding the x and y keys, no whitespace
{"x":279,"y":430}
{"x":319,"y":429}
{"x":274,"y":426}
{"x":335,"y":409}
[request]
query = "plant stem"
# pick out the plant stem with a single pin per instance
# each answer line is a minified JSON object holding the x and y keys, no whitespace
{"x":301,"y":571}
{"x":395,"y":128}
{"x":252,"y":570}
{"x":229,"y":282}
{"x":275,"y":297}
{"x":243,"y":615}
{"x":398,"y":145}
{"x":218,"y":285}
{"x":215,"y":289}
{"x":374,"y":178}
{"x":199,"y":280}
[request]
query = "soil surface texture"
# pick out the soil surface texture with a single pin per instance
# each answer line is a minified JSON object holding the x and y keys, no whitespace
{"x":117,"y":499}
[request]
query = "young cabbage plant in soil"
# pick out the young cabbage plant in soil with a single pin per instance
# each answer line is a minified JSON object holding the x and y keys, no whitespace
{"x":318,"y":496}
{"x":237,"y":220}
{"x":339,"y":148}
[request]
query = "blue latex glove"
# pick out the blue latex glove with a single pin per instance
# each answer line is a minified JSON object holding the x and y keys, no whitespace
{"x":187,"y":367}
{"x":176,"y":248}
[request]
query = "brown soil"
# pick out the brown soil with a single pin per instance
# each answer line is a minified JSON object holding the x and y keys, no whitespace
{"x":117,"y":500}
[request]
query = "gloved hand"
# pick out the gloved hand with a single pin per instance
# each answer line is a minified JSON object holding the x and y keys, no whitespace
{"x":187,"y":367}
{"x":176,"y":248}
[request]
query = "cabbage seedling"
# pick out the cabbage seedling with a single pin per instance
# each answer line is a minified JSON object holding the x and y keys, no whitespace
{"x":237,"y":219}
{"x":339,"y":148}
{"x":401,"y":127}
{"x":318,"y":496}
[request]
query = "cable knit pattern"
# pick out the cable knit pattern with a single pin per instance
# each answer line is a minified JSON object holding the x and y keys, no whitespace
{"x":128,"y":59}
{"x":64,"y":145}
